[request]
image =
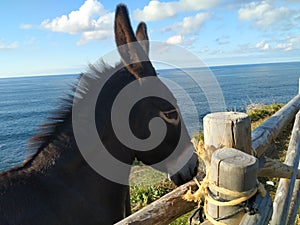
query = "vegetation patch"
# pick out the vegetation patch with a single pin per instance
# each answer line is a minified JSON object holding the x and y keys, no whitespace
{"x":259,"y":113}
{"x":142,"y":195}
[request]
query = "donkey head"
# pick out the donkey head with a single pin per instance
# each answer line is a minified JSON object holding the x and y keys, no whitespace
{"x":160,"y":138}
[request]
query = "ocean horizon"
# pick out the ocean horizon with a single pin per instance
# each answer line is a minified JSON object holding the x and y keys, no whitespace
{"x":26,"y":101}
{"x":157,"y":69}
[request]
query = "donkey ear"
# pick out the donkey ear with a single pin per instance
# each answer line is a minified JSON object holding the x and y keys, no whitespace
{"x":133,"y":56}
{"x":142,"y":37}
{"x":123,"y":30}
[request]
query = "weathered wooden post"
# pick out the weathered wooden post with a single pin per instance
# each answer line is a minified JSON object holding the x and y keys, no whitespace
{"x":226,"y":130}
{"x":235,"y":171}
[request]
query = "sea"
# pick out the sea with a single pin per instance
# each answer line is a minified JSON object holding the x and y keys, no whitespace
{"x":26,"y":102}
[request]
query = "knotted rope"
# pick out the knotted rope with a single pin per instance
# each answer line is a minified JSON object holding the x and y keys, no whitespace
{"x":206,"y":186}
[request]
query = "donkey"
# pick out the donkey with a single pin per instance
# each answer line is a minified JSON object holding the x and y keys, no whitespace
{"x":57,"y":184}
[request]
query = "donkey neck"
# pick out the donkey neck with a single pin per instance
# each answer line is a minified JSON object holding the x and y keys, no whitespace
{"x":50,"y":149}
{"x":62,"y":156}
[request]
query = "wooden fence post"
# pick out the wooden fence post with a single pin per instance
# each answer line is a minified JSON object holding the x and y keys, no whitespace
{"x":226,"y":130}
{"x":233,"y":130}
{"x":235,"y":171}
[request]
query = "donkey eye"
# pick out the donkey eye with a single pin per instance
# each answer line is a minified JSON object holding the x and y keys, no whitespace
{"x":172,"y":114}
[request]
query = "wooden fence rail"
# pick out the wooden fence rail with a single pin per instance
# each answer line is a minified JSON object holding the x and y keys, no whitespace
{"x":263,"y":136}
{"x":285,"y":188}
{"x":164,"y":210}
{"x":171,"y":206}
{"x":295,"y":201}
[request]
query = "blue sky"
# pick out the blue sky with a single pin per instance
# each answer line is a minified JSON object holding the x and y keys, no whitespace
{"x":63,"y":36}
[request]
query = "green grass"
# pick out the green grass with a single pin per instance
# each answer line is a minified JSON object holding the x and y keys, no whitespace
{"x":259,"y":111}
{"x":142,"y":195}
{"x":153,"y":185}
{"x":183,"y":220}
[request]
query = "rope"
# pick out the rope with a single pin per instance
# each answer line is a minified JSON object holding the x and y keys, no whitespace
{"x":202,"y":194}
{"x":210,"y":218}
{"x":240,"y":196}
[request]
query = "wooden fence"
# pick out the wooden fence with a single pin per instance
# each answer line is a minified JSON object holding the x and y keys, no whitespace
{"x":228,"y":139}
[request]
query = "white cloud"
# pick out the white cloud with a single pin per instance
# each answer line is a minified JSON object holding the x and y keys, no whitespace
{"x":157,"y":10}
{"x":76,"y":21}
{"x":258,"y":47}
{"x":284,"y":44}
{"x":181,"y":40}
{"x":288,"y":44}
{"x":188,"y":26}
{"x":266,"y":16}
{"x":175,"y":40}
{"x":263,"y":45}
{"x":91,"y":20}
{"x":103,"y":30}
{"x":191,"y":24}
{"x":10,"y":46}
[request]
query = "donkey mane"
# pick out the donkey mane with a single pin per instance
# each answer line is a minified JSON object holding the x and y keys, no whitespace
{"x":63,"y":114}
